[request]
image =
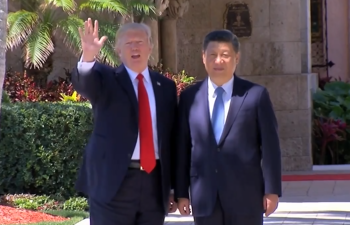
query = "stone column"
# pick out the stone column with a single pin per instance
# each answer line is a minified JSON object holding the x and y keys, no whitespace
{"x":153,"y":24}
{"x":169,"y":42}
{"x":160,"y":5}
{"x":176,"y":9}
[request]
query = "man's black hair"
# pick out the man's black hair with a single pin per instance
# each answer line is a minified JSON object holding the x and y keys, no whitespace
{"x":222,"y":36}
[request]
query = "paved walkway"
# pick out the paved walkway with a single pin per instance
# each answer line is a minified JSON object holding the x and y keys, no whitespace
{"x":303,"y":203}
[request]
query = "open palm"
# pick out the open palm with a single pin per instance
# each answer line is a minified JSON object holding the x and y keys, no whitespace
{"x":90,"y":42}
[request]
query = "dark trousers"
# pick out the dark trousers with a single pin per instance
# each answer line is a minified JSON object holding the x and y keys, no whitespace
{"x":138,"y":201}
{"x":219,"y":217}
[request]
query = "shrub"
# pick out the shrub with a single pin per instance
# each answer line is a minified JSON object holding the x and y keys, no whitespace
{"x":331,"y":116}
{"x":44,"y":202}
{"x":5,"y":97}
{"x":22,"y":88}
{"x":41,"y":146}
{"x":182,"y":79}
{"x":76,"y":204}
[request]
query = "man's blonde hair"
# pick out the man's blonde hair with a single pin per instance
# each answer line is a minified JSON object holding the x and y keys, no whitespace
{"x":133,"y":26}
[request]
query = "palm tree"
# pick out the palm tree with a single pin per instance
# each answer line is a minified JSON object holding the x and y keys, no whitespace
{"x":129,"y":10}
{"x":36,"y":26}
{"x":3,"y":15}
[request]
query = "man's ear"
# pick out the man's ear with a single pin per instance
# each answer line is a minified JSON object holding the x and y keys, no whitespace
{"x":117,"y":51}
{"x":238,"y":57}
{"x":203,"y":56}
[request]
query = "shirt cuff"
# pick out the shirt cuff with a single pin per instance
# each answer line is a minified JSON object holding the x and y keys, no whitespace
{"x":85,"y":67}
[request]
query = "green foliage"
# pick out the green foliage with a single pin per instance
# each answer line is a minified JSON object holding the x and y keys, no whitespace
{"x":5,"y":97}
{"x":331,"y":116}
{"x":333,"y":101}
{"x":76,"y":204}
{"x":71,"y":221}
{"x":38,"y":23}
{"x":45,"y":203}
{"x":68,"y":213}
{"x":33,"y":202}
{"x":41,"y":146}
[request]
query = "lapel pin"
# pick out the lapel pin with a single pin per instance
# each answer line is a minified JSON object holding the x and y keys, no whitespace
{"x":158,"y":83}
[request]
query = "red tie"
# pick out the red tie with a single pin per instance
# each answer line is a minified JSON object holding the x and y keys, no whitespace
{"x":147,"y":155}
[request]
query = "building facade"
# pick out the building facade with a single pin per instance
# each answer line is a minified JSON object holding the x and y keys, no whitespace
{"x":285,"y":46}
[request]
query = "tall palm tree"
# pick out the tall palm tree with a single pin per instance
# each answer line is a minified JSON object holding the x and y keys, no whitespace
{"x":3,"y":15}
{"x":35,"y":27}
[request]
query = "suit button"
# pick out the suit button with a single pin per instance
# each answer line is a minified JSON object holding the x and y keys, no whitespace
{"x":216,"y":171}
{"x":218,"y":149}
{"x":129,"y":155}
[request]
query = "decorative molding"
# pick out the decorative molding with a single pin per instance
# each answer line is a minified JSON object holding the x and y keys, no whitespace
{"x":161,"y":6}
{"x":176,"y":9}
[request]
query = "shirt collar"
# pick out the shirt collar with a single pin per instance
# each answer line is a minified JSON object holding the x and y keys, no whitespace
{"x":133,"y":74}
{"x":228,"y":87}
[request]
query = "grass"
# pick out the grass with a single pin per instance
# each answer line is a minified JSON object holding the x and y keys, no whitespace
{"x":75,"y":217}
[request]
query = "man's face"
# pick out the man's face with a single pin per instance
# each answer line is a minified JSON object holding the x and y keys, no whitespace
{"x":220,"y":59}
{"x":134,"y":49}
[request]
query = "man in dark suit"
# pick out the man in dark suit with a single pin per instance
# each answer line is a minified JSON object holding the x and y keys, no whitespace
{"x":228,"y":149}
{"x":126,"y":170}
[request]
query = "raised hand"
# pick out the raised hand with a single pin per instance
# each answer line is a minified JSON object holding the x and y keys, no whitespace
{"x":90,"y":42}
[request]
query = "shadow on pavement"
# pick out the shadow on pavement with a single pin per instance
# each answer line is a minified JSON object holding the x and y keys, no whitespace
{"x":284,"y":217}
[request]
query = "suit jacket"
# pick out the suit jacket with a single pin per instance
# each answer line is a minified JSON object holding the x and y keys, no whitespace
{"x":111,"y":145}
{"x":243,"y":166}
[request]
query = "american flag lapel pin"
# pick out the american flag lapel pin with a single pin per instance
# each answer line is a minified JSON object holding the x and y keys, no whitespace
{"x":158,"y":83}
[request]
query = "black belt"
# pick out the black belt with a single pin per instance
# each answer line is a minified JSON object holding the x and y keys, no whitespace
{"x":135,"y":164}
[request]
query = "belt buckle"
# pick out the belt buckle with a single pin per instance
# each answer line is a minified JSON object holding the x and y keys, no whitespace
{"x":141,"y":168}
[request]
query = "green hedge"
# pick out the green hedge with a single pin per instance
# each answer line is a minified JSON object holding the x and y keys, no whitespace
{"x":41,"y":146}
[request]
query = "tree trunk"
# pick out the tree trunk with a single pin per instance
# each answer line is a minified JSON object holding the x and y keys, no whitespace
{"x":3,"y":32}
{"x":40,"y":75}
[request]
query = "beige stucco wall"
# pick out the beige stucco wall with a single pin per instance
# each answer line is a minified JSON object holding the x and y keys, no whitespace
{"x":338,"y":38}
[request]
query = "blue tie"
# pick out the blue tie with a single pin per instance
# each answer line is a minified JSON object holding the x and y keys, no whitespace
{"x":218,"y":116}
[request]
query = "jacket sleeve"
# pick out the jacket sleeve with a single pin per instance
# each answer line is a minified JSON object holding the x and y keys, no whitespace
{"x":87,"y":81}
{"x":183,"y":151}
{"x":271,"y":152}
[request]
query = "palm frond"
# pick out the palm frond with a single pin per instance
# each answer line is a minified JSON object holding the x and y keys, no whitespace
{"x":69,"y":27}
{"x":38,"y":47}
{"x":114,"y":6}
{"x":20,"y":25}
{"x":107,"y":54}
{"x":66,"y":5}
{"x":142,"y":7}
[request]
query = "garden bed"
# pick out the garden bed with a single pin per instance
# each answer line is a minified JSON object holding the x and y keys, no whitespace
{"x":41,"y":210}
{"x":16,"y":216}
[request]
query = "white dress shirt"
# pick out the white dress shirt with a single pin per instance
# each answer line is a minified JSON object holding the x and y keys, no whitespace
{"x":228,"y":88}
{"x":84,"y":67}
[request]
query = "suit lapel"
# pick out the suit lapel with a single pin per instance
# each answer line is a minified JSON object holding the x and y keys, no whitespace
{"x":125,"y":82}
{"x":204,"y":106}
{"x":238,"y":95}
{"x":158,"y":95}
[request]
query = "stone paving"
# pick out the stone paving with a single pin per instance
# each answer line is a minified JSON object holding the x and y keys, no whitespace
{"x":303,"y":203}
